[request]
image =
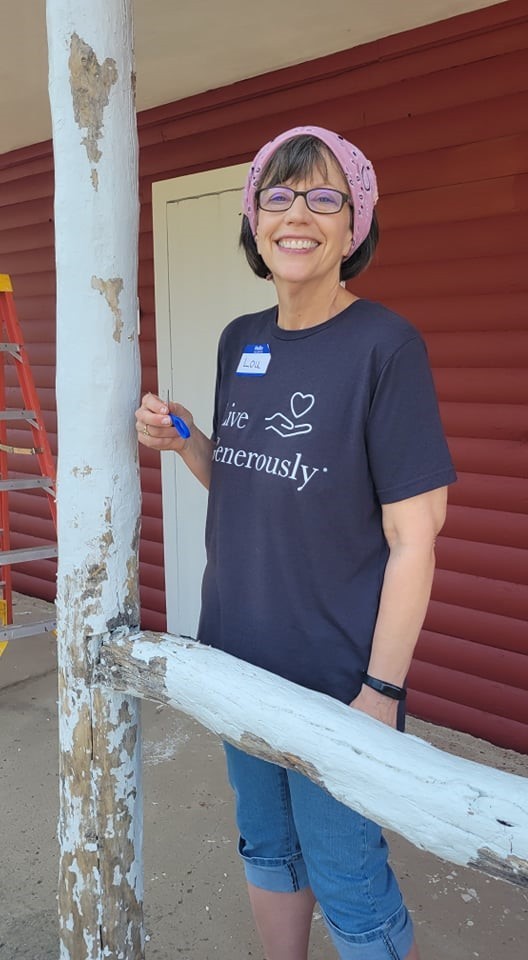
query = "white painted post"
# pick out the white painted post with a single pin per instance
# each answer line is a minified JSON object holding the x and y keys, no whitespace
{"x":96,"y":222}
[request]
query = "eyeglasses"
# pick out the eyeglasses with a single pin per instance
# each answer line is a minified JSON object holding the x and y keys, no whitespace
{"x":318,"y":200}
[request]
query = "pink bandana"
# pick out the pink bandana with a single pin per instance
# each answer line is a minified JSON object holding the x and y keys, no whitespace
{"x":354,"y":164}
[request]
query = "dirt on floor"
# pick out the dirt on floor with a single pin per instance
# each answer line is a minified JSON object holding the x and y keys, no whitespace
{"x":195,"y":901}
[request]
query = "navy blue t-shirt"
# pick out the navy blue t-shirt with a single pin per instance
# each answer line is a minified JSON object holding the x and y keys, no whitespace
{"x":344,"y":419}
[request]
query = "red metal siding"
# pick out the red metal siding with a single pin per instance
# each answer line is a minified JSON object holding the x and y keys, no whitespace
{"x":441,"y":110}
{"x":26,"y":252}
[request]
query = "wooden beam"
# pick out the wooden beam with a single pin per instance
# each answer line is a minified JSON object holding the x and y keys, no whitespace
{"x":461,"y":811}
{"x":96,"y":224}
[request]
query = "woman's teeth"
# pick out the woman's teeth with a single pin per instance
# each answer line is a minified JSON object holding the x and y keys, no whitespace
{"x":298,"y":244}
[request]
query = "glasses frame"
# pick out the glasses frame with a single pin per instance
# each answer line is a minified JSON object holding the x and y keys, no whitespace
{"x":304,"y":193}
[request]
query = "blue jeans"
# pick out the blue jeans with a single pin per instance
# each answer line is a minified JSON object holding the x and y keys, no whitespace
{"x":293,"y":835}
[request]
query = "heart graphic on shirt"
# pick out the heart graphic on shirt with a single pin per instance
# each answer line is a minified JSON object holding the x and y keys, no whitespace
{"x":301,"y":403}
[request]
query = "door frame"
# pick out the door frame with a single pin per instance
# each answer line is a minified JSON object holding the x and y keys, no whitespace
{"x":164,"y":193}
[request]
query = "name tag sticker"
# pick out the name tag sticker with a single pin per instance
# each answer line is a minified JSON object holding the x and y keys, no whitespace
{"x":254,"y":360}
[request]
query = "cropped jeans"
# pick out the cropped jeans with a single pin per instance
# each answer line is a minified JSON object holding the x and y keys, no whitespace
{"x":293,"y":835}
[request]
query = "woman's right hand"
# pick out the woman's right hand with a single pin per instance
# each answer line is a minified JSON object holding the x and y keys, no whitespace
{"x":154,"y":426}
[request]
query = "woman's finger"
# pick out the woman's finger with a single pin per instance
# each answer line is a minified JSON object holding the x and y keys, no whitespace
{"x":154,"y":426}
{"x":150,"y":402}
{"x":144,"y":430}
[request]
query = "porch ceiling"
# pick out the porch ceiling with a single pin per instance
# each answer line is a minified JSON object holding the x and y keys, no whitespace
{"x":190,"y":46}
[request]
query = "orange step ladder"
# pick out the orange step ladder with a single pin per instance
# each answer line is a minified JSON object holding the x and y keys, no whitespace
{"x":12,"y":347}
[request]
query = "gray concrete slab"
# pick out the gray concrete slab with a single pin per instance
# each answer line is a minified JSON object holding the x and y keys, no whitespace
{"x":195,"y":902}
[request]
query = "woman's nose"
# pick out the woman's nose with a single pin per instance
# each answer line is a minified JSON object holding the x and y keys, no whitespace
{"x":299,"y":209}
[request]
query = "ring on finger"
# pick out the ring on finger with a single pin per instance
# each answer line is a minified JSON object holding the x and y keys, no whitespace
{"x":146,"y":430}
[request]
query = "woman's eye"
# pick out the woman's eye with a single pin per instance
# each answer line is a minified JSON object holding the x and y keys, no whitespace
{"x":325,"y":199}
{"x":278,"y":196}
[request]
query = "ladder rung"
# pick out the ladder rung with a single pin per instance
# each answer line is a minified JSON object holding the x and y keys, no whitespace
{"x":21,"y":451}
{"x":17,"y":415}
{"x":12,"y":348}
{"x":16,"y":630}
{"x":22,"y":554}
{"x":22,"y":484}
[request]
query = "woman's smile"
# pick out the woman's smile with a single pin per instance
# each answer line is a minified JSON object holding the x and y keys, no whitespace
{"x":297,"y":244}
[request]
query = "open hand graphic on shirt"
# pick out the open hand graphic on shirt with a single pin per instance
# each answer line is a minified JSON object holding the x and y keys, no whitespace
{"x":300,"y":404}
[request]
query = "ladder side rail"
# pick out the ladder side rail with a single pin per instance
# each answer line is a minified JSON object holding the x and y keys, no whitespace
{"x":31,"y":401}
{"x":13,"y":346}
{"x":5,"y":540}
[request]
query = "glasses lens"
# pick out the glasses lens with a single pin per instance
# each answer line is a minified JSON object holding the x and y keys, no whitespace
{"x":325,"y":201}
{"x":275,"y":198}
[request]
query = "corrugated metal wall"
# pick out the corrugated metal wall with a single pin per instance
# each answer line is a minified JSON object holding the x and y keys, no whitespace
{"x":442,"y":112}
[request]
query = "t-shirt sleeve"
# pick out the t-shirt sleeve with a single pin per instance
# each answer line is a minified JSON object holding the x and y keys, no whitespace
{"x":407,"y":449}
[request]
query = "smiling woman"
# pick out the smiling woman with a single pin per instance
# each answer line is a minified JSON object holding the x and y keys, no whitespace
{"x":324,"y":580}
{"x":295,"y":160}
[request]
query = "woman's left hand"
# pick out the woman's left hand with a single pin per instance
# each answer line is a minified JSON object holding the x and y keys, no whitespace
{"x":376,"y":705}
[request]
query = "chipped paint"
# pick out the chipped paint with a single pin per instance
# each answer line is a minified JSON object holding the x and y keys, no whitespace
{"x":132,"y":602}
{"x":100,"y":775}
{"x":511,"y":869}
{"x":96,"y":575}
{"x":260,"y":748}
{"x":100,"y":819}
{"x":117,"y":762}
{"x":78,"y":886}
{"x":90,"y":83}
{"x":111,"y":289}
{"x":81,"y":471}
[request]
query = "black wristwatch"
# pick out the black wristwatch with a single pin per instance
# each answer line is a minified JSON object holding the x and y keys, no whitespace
{"x":387,"y":689}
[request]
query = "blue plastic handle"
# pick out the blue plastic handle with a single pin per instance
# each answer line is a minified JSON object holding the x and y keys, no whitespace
{"x":180,"y":425}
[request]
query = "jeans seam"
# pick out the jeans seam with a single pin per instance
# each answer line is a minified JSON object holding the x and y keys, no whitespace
{"x":294,"y":877}
{"x":393,"y":953}
{"x":287,"y":807}
{"x":372,"y":900}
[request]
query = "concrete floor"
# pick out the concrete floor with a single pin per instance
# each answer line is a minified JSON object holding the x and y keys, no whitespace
{"x":195,"y":903}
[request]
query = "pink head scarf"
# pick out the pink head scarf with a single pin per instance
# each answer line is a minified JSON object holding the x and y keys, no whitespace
{"x":354,"y":164}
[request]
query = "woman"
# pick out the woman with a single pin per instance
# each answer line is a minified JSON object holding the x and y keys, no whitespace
{"x":327,"y":473}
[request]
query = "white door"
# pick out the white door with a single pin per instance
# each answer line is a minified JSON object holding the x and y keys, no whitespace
{"x":202,"y":282}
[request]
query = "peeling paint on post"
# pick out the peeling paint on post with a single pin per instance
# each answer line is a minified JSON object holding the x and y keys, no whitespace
{"x":110,"y":290}
{"x":90,"y":83}
{"x":98,"y":373}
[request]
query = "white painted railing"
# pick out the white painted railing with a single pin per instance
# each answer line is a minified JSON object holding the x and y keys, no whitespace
{"x":461,"y":811}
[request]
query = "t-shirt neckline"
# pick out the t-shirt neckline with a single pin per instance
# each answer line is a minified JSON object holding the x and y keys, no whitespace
{"x":280,"y":333}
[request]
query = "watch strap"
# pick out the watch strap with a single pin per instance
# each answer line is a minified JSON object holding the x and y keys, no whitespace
{"x":387,"y":689}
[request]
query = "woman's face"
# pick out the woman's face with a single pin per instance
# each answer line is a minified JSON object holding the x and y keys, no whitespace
{"x":299,"y":246}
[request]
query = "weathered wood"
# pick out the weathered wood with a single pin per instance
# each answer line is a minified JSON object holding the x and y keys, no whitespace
{"x":96,"y":223}
{"x":461,"y":811}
